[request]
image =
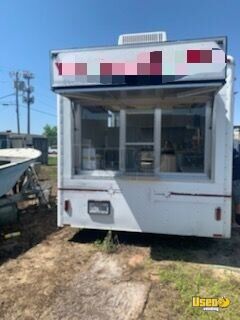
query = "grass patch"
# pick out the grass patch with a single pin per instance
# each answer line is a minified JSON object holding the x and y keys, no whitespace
{"x":49,"y":173}
{"x":52,"y":161}
{"x":109,"y":244}
{"x":52,"y":172}
{"x":188,"y":281}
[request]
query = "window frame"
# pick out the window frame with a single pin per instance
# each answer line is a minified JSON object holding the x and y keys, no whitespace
{"x":157,"y":127}
{"x":90,"y":173}
{"x":207,"y":173}
{"x":125,"y":144}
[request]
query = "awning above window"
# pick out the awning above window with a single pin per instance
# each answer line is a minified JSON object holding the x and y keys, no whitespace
{"x":139,"y":97}
{"x":141,"y":75}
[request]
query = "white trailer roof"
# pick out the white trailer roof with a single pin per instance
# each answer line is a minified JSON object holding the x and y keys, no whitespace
{"x":158,"y":64}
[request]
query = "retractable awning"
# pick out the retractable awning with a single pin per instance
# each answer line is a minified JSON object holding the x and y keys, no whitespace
{"x":145,"y":96}
{"x":158,"y":73}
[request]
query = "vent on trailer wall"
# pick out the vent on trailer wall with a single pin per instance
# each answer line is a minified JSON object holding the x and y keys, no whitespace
{"x":145,"y":37}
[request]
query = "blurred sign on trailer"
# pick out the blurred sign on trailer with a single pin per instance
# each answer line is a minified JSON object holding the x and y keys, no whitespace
{"x":141,"y":64}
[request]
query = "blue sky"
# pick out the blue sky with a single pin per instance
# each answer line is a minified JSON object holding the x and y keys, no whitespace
{"x":30,"y":29}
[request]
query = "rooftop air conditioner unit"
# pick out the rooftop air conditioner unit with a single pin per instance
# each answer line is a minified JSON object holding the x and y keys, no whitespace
{"x":145,"y":37}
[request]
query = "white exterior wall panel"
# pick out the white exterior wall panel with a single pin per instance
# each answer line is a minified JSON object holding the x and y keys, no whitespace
{"x":153,"y":204}
{"x":139,"y":208}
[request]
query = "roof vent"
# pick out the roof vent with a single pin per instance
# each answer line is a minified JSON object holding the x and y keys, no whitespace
{"x":145,"y":37}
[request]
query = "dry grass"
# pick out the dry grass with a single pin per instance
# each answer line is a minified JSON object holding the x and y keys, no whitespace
{"x":48,"y":273}
{"x":68,"y":276}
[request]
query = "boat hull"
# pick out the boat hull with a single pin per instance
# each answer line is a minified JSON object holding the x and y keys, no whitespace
{"x":10,"y":175}
{"x":20,"y":160}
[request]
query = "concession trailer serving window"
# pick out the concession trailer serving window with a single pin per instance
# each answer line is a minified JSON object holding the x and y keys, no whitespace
{"x":149,"y":139}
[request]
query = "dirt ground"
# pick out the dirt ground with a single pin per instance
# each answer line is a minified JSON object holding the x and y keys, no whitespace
{"x":63,"y":277}
{"x":50,"y":273}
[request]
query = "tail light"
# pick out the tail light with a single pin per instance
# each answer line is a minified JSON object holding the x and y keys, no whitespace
{"x":218,"y":214}
{"x":66,"y":205}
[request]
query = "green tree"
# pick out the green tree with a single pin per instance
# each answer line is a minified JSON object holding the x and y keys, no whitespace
{"x":51,"y":133}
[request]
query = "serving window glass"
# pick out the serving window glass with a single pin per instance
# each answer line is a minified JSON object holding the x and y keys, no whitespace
{"x":139,"y":146}
{"x":96,"y":139}
{"x":183,"y":139}
{"x":155,"y":140}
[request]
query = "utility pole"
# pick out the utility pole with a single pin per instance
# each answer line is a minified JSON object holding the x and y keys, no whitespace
{"x":19,"y":86}
{"x":28,"y":99}
{"x":17,"y":104}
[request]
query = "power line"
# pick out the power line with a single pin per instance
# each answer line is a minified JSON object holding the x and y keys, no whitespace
{"x":46,"y":104}
{"x":34,"y":109}
{"x":43,"y":112}
{"x":8,"y":95}
{"x":46,"y":93}
{"x":7,"y":104}
{"x":40,"y":111}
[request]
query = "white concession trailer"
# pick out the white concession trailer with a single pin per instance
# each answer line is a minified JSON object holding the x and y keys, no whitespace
{"x":145,"y":135}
